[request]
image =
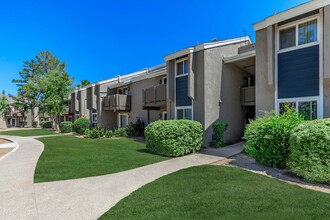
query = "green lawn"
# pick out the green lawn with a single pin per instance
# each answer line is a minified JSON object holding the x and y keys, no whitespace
{"x":27,"y":132}
{"x":217,"y":192}
{"x":68,"y":157}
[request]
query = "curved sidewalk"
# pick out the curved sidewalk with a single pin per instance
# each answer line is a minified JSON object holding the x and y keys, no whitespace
{"x":17,"y":196}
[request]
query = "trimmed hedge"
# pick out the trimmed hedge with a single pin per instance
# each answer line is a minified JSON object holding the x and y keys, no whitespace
{"x":310,"y":151}
{"x":66,"y":126}
{"x":46,"y":124}
{"x":219,"y":129}
{"x":174,"y":138}
{"x":80,"y":125}
{"x":267,"y":138}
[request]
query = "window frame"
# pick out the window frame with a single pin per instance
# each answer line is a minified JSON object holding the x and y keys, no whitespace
{"x":163,"y":116}
{"x":298,"y":100}
{"x":93,"y":121}
{"x":296,"y":25}
{"x":122,"y":88}
{"x":119,"y":119}
{"x":184,"y":108}
{"x":320,"y":29}
{"x":183,"y":60}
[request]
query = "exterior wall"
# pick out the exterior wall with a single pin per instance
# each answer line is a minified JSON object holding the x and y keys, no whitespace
{"x":265,"y":93}
{"x":326,"y":50}
{"x":170,"y":89}
{"x":222,"y":86}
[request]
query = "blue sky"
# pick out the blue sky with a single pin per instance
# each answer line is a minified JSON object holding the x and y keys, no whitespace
{"x":102,"y":39}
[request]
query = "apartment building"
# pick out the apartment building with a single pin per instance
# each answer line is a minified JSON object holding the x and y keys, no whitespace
{"x":202,"y":87}
{"x":118,"y":101}
{"x":231,"y":80}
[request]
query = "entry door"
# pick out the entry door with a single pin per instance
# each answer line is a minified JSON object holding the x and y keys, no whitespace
{"x":123,"y":120}
{"x":13,"y":122}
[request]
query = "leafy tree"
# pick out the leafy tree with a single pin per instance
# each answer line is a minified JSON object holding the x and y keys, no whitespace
{"x":84,"y":83}
{"x":56,"y":89}
{"x":35,"y":84}
{"x":4,"y":105}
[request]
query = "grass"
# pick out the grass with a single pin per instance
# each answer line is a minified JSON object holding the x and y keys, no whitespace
{"x":68,"y":157}
{"x":27,"y":132}
{"x":217,"y":192}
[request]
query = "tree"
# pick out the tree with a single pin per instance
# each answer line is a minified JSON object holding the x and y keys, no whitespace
{"x":33,"y":84}
{"x":83,"y":83}
{"x":56,"y":89}
{"x":4,"y":104}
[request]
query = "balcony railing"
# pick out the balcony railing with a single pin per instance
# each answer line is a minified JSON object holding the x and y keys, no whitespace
{"x":117,"y":102}
{"x":154,"y":96}
{"x":248,"y":97}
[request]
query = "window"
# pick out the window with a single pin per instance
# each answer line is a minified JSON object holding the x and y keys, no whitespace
{"x":184,"y":113}
{"x":305,"y":32}
{"x":164,"y":81}
{"x":182,"y":68}
{"x":288,"y":38}
{"x":307,"y":109}
{"x":94,"y":117}
{"x":123,"y":91}
{"x":165,"y":116}
{"x":123,"y":120}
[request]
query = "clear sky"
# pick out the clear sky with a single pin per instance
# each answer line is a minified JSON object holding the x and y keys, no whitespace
{"x":103,"y":38}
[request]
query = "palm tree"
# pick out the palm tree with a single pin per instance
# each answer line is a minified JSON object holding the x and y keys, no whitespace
{"x":83,"y":83}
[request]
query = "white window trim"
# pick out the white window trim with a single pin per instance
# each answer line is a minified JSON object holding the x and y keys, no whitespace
{"x":176,"y":66}
{"x":319,"y":41}
{"x":126,"y":87}
{"x":93,"y":121}
{"x":119,"y":121}
{"x":184,"y":107}
{"x":296,"y":25}
{"x":163,"y":115}
{"x":303,"y":99}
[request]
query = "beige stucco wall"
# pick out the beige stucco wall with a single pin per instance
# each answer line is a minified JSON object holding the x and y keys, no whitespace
{"x":265,"y":93}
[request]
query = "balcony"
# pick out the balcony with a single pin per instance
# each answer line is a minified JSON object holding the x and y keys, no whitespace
{"x":154,"y":96}
{"x":117,"y":102}
{"x":248,"y":96}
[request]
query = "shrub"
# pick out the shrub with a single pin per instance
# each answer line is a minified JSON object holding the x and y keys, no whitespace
{"x":80,"y":125}
{"x":95,"y":133}
{"x":46,"y":124}
{"x":108,"y":134}
{"x":174,"y":138}
{"x":136,"y":129}
{"x":34,"y":124}
{"x":66,"y":126}
{"x":120,"y":132}
{"x":219,"y":129}
{"x":267,"y":138}
{"x":310,"y":151}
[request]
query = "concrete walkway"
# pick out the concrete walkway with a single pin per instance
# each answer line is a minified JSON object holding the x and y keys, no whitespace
{"x":17,"y":196}
{"x":86,"y":198}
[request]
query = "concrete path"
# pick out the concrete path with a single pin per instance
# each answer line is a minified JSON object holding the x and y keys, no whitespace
{"x":17,"y":196}
{"x":86,"y":198}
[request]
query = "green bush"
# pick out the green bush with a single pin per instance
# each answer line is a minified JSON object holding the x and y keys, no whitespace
{"x":267,"y":138}
{"x":46,"y":124}
{"x":108,"y":134}
{"x":174,"y":138}
{"x":136,"y":129}
{"x":310,"y":151}
{"x":34,"y":124}
{"x":219,"y":129}
{"x":121,"y":132}
{"x":80,"y":125}
{"x":66,"y":126}
{"x":95,"y":133}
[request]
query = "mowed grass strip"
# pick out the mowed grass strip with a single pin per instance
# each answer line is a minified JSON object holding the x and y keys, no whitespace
{"x":217,"y":192}
{"x":68,"y":157}
{"x":26,"y":133}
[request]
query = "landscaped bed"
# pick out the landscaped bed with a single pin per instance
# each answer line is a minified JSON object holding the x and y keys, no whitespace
{"x":27,"y":132}
{"x":218,"y":192}
{"x":69,"y":157}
